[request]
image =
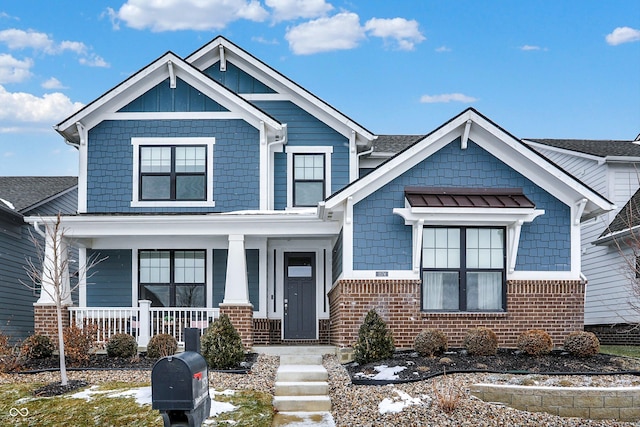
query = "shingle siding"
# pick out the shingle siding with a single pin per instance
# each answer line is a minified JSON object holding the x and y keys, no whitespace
{"x":383,"y":242}
{"x":235,"y":163}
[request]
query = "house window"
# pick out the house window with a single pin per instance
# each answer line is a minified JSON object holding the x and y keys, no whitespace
{"x":173,"y":173}
{"x":308,"y":179}
{"x":172,"y":278}
{"x":176,"y":172}
{"x":463,"y":269}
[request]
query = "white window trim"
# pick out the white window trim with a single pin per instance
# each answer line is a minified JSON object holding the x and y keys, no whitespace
{"x":291,"y":150}
{"x":174,"y":141}
{"x":512,"y":219}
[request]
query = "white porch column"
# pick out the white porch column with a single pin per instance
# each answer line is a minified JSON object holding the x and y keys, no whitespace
{"x":144,"y":323}
{"x":55,"y":270}
{"x":236,"y":287}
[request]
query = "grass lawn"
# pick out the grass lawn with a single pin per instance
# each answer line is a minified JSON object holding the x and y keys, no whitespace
{"x":621,"y":350}
{"x":99,"y":407}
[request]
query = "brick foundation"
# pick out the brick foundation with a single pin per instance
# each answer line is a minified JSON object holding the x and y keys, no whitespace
{"x":241,"y":317}
{"x":555,"y":306}
{"x":45,"y":320}
{"x":269,"y":332}
{"x":616,"y":334}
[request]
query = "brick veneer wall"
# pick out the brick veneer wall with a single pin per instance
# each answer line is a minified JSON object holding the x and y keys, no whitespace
{"x":45,"y":320}
{"x":241,"y":317}
{"x":555,"y":306}
{"x":624,"y":334}
{"x":269,"y":332}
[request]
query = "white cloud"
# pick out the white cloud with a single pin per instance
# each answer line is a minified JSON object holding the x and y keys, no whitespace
{"x":623,"y":35}
{"x":13,"y":70}
{"x":173,"y":15}
{"x":94,"y":60}
{"x":529,"y":47}
{"x":262,"y":40}
{"x":339,"y":32}
{"x":53,"y":83}
{"x":286,"y":10}
{"x":405,"y":33}
{"x":447,"y":97}
{"x":443,"y":49}
{"x":25,"y":107}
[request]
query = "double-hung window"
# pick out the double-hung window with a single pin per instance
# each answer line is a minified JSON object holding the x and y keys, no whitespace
{"x":172,"y":278}
{"x":309,"y":175}
{"x":172,"y":172}
{"x":463,"y":269}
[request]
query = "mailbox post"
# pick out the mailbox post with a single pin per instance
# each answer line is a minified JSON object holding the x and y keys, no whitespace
{"x":180,"y":389}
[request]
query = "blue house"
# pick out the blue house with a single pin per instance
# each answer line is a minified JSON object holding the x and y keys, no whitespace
{"x":214,"y":184}
{"x":22,"y":196}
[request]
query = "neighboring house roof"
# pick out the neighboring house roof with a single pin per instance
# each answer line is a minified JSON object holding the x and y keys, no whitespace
{"x":27,"y":192}
{"x":394,"y":143}
{"x":430,"y":197}
{"x":598,"y":148}
{"x":471,"y":125}
{"x":627,"y":218}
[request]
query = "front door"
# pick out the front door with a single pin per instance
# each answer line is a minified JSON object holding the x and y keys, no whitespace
{"x":299,"y":296}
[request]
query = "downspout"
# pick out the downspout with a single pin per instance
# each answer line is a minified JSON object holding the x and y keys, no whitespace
{"x":270,"y":178}
{"x":37,"y":228}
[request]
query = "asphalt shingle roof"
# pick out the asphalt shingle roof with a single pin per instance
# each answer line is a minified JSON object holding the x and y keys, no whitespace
{"x":394,"y":143}
{"x":599,"y":148}
{"x":628,"y":217}
{"x":24,"y":192}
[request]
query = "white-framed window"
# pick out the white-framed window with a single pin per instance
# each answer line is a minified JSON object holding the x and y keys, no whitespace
{"x":172,"y":172}
{"x":308,"y":175}
{"x":463,"y":269}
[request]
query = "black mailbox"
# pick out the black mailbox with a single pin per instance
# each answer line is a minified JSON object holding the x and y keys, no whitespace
{"x":180,"y":389}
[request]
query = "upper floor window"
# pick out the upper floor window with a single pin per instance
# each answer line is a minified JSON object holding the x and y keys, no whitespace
{"x":463,"y":269}
{"x":172,"y":172}
{"x":309,"y":175}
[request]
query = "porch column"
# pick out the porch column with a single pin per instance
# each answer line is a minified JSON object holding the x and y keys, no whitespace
{"x":236,"y":291}
{"x":55,"y":271}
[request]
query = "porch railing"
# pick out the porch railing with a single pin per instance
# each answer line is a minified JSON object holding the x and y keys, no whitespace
{"x":142,"y":322}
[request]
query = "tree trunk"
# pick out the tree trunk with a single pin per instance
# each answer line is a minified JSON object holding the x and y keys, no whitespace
{"x":63,"y":366}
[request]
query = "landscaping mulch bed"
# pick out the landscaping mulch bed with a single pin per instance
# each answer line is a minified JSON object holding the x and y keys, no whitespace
{"x":417,"y":368}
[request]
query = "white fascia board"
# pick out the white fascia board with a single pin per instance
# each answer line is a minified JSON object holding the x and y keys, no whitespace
{"x":467,"y":216}
{"x":209,"y":55}
{"x":617,"y":237}
{"x":270,"y":225}
{"x":151,"y":76}
{"x":540,"y":146}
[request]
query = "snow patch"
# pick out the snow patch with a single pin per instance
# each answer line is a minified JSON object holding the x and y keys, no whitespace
{"x":397,"y":404}
{"x":384,"y":373}
{"x":8,"y":204}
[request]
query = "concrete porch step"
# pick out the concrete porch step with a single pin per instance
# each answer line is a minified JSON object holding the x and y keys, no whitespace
{"x":301,"y":388}
{"x":280,"y":350}
{"x":302,"y":403}
{"x":301,"y":359}
{"x":295,"y":373}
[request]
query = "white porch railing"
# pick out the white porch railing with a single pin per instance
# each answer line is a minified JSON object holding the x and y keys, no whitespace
{"x":142,"y":322}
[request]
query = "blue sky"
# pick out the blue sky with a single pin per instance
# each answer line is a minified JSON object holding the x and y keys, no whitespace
{"x":539,"y":69}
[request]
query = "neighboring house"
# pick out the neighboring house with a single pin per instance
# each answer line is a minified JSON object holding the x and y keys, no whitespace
{"x":214,"y":184}
{"x":612,"y":168}
{"x":22,"y":196}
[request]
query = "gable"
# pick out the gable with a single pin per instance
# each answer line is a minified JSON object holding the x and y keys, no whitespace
{"x":236,"y":80}
{"x":162,"y":98}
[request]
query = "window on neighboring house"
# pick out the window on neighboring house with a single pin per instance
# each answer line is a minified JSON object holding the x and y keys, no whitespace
{"x":173,"y":173}
{"x":308,"y":179}
{"x":463,"y":269}
{"x":170,"y":278}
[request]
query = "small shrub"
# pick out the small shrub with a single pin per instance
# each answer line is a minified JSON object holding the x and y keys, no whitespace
{"x":78,"y":343}
{"x":162,"y":345}
{"x":5,"y":348}
{"x":582,"y":344}
{"x":8,"y":359}
{"x":481,"y":342}
{"x":448,"y":394}
{"x":430,"y":342}
{"x":375,"y":341}
{"x":37,"y":347}
{"x":221,"y":344}
{"x":122,"y":345}
{"x":535,"y":342}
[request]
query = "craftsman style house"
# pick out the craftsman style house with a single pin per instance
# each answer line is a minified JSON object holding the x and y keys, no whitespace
{"x":214,"y":184}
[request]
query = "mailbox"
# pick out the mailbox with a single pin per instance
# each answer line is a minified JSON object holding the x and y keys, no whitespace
{"x":180,"y":389}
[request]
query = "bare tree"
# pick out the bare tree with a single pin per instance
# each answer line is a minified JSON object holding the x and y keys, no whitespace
{"x":52,"y":276}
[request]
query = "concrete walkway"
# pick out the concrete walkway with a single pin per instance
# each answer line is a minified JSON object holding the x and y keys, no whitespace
{"x":301,"y":388}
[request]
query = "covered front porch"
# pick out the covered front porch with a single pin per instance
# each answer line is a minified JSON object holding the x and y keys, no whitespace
{"x":166,"y":274}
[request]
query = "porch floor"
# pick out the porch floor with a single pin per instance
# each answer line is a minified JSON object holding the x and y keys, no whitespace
{"x":280,"y":350}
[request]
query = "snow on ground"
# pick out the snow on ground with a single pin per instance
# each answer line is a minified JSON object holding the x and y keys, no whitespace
{"x":397,"y":404}
{"x":384,"y":373}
